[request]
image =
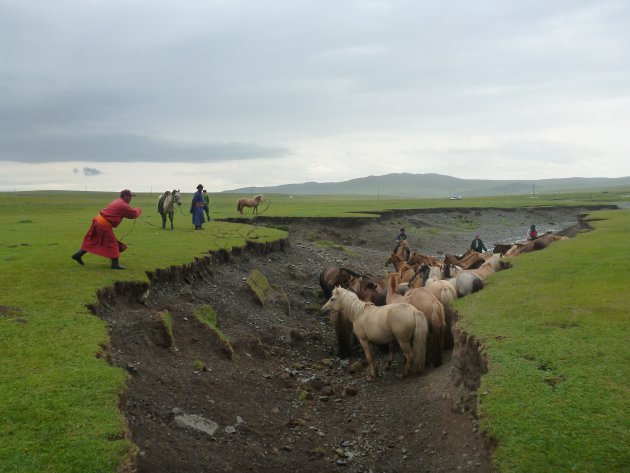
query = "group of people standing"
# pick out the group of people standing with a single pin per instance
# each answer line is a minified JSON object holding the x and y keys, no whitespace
{"x":100,"y":238}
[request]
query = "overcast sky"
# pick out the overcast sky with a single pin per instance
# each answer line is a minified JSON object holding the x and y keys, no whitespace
{"x":160,"y":94}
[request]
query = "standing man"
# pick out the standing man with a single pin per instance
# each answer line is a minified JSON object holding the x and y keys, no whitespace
{"x":206,"y":204}
{"x":196,"y":209}
{"x":478,"y":245}
{"x":100,"y":238}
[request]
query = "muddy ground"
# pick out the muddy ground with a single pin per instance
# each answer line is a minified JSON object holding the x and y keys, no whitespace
{"x":283,"y":401}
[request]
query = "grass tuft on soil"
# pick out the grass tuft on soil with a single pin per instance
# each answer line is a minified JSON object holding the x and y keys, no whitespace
{"x":208,"y":317}
{"x":259,"y":285}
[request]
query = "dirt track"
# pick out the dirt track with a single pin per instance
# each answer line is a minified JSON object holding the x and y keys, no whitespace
{"x":285,"y":402}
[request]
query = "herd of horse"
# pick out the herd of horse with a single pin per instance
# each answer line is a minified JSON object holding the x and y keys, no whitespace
{"x":411,"y":306}
{"x":166,"y":205}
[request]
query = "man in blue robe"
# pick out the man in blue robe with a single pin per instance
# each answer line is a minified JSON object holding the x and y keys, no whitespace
{"x":196,"y":209}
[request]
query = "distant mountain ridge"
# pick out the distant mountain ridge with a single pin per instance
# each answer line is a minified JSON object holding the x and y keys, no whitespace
{"x":438,"y":186}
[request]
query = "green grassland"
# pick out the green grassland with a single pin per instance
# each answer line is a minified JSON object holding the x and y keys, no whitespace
{"x":59,"y":409}
{"x":555,"y":329}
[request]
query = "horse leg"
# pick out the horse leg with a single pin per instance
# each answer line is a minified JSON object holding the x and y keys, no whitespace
{"x":170,"y":216}
{"x":405,"y":346}
{"x":163,"y":221}
{"x":369,"y":354}
{"x":390,"y":359}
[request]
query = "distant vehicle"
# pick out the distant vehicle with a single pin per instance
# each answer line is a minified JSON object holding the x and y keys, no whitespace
{"x":456,"y":197}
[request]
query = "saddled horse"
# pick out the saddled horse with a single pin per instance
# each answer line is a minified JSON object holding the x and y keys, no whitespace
{"x":333,"y":276}
{"x":253,"y":203}
{"x":166,"y":205}
{"x":399,"y":255}
{"x":382,"y":325}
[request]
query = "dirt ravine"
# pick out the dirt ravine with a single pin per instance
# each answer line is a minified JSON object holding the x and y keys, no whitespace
{"x":284,"y":402}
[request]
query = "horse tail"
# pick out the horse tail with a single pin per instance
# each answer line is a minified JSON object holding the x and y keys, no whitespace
{"x":325,"y":289}
{"x":439,"y":317}
{"x":419,"y":347}
{"x":343,"y":329}
{"x":239,"y":207}
{"x":450,"y":317}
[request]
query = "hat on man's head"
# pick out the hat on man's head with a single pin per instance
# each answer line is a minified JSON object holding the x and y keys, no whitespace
{"x":126,"y":193}
{"x":199,"y":186}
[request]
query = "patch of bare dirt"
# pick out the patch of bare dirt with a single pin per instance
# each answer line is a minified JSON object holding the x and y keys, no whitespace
{"x":284,"y":402}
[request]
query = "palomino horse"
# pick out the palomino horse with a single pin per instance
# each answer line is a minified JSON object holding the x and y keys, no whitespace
{"x":166,"y":206}
{"x":382,"y":325}
{"x":254,"y":203}
{"x":423,"y":300}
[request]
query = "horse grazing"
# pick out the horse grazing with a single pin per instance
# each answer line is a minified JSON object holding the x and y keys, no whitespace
{"x":166,"y":206}
{"x":253,"y":203}
{"x":382,"y":325}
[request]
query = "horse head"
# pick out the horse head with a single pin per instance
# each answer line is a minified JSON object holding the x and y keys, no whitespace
{"x":176,"y":197}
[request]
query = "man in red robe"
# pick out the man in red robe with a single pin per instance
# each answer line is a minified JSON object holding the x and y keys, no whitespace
{"x":100,"y":238}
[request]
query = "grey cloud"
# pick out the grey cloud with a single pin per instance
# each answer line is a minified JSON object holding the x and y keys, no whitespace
{"x":91,"y":172}
{"x":125,"y":148}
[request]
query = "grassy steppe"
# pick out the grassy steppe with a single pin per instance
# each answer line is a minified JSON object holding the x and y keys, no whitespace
{"x":59,"y":407}
{"x":556,"y":332}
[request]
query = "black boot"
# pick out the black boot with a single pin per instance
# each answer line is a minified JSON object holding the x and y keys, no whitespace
{"x":77,"y":257}
{"x":116,"y":264}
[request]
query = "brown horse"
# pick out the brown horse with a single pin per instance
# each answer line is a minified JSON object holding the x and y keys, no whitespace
{"x":423,"y":300}
{"x":399,"y":255}
{"x":253,"y":203}
{"x":382,"y":325}
{"x":369,"y":289}
{"x":418,"y":258}
{"x":333,"y":276}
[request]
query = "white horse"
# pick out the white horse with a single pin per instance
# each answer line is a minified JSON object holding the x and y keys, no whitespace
{"x":166,"y":207}
{"x":382,"y":325}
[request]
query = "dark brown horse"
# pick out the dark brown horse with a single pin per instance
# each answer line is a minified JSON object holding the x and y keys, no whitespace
{"x":333,"y":276}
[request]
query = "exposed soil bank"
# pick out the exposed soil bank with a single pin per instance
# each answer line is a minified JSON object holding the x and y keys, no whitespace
{"x":284,"y":402}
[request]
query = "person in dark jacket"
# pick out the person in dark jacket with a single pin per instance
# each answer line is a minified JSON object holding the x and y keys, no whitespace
{"x":477,"y":245}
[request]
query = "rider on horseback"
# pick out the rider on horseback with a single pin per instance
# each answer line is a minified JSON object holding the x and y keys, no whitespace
{"x":401,"y":236}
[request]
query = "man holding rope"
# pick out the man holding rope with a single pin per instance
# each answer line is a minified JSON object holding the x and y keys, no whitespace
{"x":100,"y":238}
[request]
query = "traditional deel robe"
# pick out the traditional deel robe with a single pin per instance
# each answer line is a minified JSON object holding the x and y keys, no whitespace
{"x":196,"y":209}
{"x":100,"y":238}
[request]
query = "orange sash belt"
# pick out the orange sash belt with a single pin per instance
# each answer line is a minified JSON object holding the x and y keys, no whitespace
{"x":103,"y":221}
{"x":199,"y":204}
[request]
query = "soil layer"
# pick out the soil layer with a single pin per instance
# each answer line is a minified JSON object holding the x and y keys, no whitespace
{"x":267,"y":392}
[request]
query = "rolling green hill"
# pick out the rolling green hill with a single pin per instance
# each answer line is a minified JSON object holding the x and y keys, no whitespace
{"x":438,"y":185}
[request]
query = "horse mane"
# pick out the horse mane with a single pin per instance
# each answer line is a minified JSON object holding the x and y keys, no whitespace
{"x":352,"y":305}
{"x":352,"y":272}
